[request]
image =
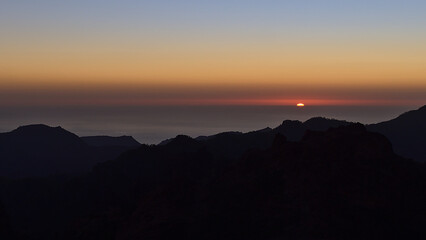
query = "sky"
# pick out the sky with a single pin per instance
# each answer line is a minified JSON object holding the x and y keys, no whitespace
{"x":198,"y":52}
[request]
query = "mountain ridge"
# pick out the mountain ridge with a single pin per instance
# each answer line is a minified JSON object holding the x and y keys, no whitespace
{"x":407,"y":133}
{"x":39,"y":150}
{"x":344,"y":182}
{"x":329,"y":185}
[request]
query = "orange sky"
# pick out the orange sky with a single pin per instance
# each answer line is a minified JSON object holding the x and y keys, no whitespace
{"x":258,"y":55}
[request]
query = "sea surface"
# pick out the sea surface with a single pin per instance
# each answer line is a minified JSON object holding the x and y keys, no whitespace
{"x":152,"y":124}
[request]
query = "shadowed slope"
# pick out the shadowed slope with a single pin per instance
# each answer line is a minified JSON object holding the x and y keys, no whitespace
{"x":40,"y":150}
{"x":407,"y":133}
{"x":5,"y":227}
{"x":345,"y":183}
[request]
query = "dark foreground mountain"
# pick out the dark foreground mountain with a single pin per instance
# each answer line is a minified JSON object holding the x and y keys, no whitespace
{"x":345,"y":183}
{"x":40,"y":150}
{"x":296,"y":181}
{"x":5,"y":228}
{"x":407,"y":133}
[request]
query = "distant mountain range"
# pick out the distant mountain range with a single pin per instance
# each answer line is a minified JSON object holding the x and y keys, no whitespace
{"x":40,"y":150}
{"x":407,"y":134}
{"x":319,"y":179}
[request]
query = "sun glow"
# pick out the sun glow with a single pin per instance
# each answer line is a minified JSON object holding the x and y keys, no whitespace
{"x":300,"y":105}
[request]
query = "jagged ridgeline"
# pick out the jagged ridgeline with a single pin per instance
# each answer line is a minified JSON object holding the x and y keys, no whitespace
{"x":319,"y":179}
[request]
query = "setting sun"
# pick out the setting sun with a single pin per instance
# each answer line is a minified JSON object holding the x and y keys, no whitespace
{"x":300,"y":105}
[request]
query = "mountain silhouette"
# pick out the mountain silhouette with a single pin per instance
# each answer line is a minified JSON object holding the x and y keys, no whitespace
{"x":345,"y":183}
{"x":294,"y":130}
{"x":107,"y":141}
{"x":40,"y":150}
{"x":318,"y":179}
{"x":234,"y":144}
{"x":407,"y":133}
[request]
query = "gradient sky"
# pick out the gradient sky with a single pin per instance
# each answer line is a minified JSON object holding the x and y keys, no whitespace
{"x":128,"y":52}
